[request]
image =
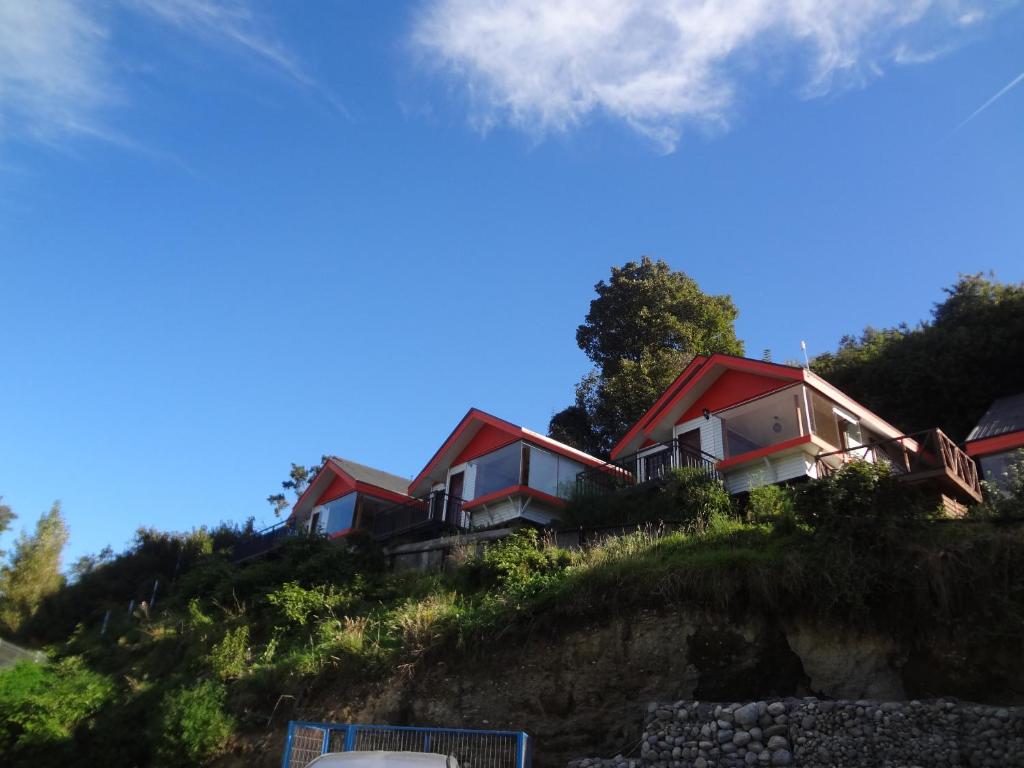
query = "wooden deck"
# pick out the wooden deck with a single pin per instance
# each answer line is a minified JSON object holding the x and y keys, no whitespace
{"x":927,"y":458}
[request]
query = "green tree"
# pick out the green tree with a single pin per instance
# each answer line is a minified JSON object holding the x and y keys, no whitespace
{"x":33,"y":572}
{"x":7,"y":516}
{"x":646,"y":324}
{"x":299,"y":478}
{"x":944,"y":372}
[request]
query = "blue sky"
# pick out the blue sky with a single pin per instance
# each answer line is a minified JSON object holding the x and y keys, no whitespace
{"x":237,"y":235}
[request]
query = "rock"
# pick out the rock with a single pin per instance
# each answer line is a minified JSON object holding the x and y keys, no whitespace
{"x":725,"y":724}
{"x":755,"y":746}
{"x":728,"y":749}
{"x":724,"y":736}
{"x":778,"y":742}
{"x":776,"y":708}
{"x":776,"y":730}
{"x":756,"y":733}
{"x":781,"y":757}
{"x":809,"y":722}
{"x":700,"y":762}
{"x":746,"y":715}
{"x":741,"y":738}
{"x":750,"y":758}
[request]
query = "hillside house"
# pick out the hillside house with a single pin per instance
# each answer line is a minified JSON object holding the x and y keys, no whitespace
{"x":752,"y":423}
{"x":488,"y":472}
{"x":995,"y":441}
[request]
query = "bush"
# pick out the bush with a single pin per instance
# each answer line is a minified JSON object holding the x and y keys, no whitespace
{"x":194,"y":726}
{"x":298,"y":605}
{"x":1005,"y":499}
{"x":230,"y":657}
{"x":862,"y":503}
{"x":769,"y":503}
{"x":517,"y":564}
{"x":42,"y":704}
{"x":686,"y":496}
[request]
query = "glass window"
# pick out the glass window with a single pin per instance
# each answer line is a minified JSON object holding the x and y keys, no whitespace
{"x":497,"y":470}
{"x":338,"y":514}
{"x":824,"y":421}
{"x":997,"y":468}
{"x":551,"y":473}
{"x":764,"y":422}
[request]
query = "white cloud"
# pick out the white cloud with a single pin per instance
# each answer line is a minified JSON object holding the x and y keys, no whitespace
{"x":659,"y":65}
{"x":58,"y":70}
{"x":53,"y":73}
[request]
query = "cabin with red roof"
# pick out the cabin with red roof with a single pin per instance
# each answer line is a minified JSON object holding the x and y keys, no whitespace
{"x":487,"y":473}
{"x":997,"y":441}
{"x":753,"y":423}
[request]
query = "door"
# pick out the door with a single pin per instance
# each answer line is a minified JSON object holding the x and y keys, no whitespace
{"x":453,"y":506}
{"x":689,"y":449}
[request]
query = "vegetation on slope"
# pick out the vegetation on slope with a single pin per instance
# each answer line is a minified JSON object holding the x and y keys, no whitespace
{"x":230,"y":644}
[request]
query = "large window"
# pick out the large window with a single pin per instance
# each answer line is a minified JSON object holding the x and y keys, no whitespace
{"x":338,"y":514}
{"x":998,"y":468}
{"x":764,"y":422}
{"x":497,"y":470}
{"x":551,"y":473}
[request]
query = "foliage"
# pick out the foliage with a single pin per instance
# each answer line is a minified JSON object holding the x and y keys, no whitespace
{"x":1004,"y":496}
{"x":300,"y":605}
{"x":517,"y":564}
{"x":686,"y":496}
{"x":7,"y":516}
{"x":299,"y":478}
{"x":33,"y":572}
{"x":41,"y":705}
{"x":945,"y":372}
{"x":230,"y":657}
{"x":861,"y":503}
{"x":194,"y":726}
{"x":769,"y":502}
{"x":645,"y":325}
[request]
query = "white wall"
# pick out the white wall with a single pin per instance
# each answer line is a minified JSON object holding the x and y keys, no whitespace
{"x":769,"y":470}
{"x":710,"y":434}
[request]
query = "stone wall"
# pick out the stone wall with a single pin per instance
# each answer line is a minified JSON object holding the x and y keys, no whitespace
{"x":820,"y":734}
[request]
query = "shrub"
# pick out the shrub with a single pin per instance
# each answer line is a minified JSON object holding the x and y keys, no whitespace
{"x":299,"y":605}
{"x":1004,"y":499}
{"x":769,"y":502}
{"x":686,"y":496}
{"x":861,"y":502}
{"x":230,"y":657}
{"x":517,"y":564}
{"x":43,"y":704}
{"x":193,"y":724}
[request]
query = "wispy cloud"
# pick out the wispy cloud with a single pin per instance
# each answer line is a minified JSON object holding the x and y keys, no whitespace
{"x":998,"y":95}
{"x":660,"y":65}
{"x":58,"y":72}
{"x":53,"y":69}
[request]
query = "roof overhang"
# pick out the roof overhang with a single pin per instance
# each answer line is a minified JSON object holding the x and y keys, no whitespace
{"x":330,"y":472}
{"x":995,"y":444}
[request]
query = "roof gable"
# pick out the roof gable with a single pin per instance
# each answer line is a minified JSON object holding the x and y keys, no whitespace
{"x":1004,"y":416}
{"x":695,"y":379}
{"x":478,"y":433}
{"x":731,"y":388}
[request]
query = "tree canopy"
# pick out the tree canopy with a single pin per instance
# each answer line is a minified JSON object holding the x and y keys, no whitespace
{"x":33,"y":572}
{"x":646,"y":324}
{"x":944,"y":372}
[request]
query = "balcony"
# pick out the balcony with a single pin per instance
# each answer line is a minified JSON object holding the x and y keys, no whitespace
{"x":436,"y":513}
{"x":928,"y":457}
{"x":263,"y":541}
{"x":651,"y":465}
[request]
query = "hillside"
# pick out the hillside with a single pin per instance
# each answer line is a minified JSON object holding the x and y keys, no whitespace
{"x":853,"y":597}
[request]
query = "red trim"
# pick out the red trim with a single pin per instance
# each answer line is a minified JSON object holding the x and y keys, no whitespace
{"x":732,"y":388}
{"x":996,"y":444}
{"x":515,"y":490}
{"x":476,"y":416}
{"x":694,"y":373}
{"x":743,"y":458}
{"x":486,"y":439}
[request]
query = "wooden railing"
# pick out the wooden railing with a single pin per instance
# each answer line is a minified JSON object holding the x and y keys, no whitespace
{"x":916,"y":455}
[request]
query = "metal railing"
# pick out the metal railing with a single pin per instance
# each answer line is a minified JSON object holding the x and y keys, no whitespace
{"x":650,"y":465}
{"x":11,"y":654}
{"x":438,"y":510}
{"x":472,"y":748}
{"x":909,"y":455}
{"x":263,"y":541}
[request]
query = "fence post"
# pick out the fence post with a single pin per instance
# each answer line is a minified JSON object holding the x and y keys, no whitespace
{"x":288,"y":745}
{"x":350,"y":738}
{"x":326,"y":744}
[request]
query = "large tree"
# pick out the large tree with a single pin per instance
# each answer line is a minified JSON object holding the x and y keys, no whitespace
{"x":944,"y":372}
{"x":646,"y":324}
{"x":299,"y":478}
{"x":33,"y":572}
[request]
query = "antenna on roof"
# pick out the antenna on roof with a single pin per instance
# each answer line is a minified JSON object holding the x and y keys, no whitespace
{"x":807,"y":362}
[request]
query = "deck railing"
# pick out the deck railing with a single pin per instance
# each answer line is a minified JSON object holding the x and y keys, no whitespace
{"x":263,"y":541}
{"x":650,"y":465}
{"x":918,"y":455}
{"x":439,"y":510}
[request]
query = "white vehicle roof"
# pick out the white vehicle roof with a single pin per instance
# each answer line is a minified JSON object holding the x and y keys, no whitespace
{"x":382,"y":759}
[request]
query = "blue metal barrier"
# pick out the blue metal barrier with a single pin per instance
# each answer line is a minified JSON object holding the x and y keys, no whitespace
{"x":472,"y":748}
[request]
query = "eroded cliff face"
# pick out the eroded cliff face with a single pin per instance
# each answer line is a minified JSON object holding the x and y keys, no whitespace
{"x":578,"y":690}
